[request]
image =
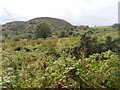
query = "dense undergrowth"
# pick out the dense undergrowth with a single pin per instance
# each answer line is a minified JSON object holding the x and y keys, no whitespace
{"x":74,"y":62}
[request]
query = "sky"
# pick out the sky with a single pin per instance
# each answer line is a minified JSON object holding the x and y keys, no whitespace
{"x":77,"y":12}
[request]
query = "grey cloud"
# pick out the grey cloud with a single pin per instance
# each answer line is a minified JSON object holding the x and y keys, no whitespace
{"x":102,"y":16}
{"x":8,"y":16}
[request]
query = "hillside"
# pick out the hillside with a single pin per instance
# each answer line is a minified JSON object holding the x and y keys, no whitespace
{"x":73,"y":57}
{"x":19,"y":30}
{"x":25,"y":29}
{"x":54,"y":23}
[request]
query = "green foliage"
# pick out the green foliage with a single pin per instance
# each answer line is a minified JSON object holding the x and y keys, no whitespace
{"x":42,"y":31}
{"x":115,"y":25}
{"x":97,"y":71}
{"x":84,"y":27}
{"x":6,"y":35}
{"x":26,"y":30}
{"x":63,"y":34}
{"x":16,"y":39}
{"x":44,"y":63}
{"x":84,"y":58}
{"x":90,"y":45}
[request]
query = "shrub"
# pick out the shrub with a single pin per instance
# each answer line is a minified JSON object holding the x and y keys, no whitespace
{"x":18,"y":48}
{"x":42,"y":31}
{"x":16,"y":39}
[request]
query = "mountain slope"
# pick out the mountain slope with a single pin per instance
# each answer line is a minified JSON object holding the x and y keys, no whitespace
{"x":54,"y":23}
{"x":18,"y":30}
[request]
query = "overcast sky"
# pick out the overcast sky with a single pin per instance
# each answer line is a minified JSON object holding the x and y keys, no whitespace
{"x":77,"y":12}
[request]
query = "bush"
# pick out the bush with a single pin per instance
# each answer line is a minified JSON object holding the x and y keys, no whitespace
{"x":18,"y":48}
{"x":42,"y":31}
{"x":16,"y":39}
{"x":89,"y":45}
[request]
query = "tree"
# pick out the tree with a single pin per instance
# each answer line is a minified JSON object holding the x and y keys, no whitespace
{"x":42,"y":31}
{"x":115,"y":25}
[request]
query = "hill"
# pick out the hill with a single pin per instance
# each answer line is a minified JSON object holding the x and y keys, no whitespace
{"x":54,"y":23}
{"x":18,"y":30}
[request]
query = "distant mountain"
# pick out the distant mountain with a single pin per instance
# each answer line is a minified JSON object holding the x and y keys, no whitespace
{"x":54,"y":23}
{"x":19,"y":30}
{"x":16,"y":25}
